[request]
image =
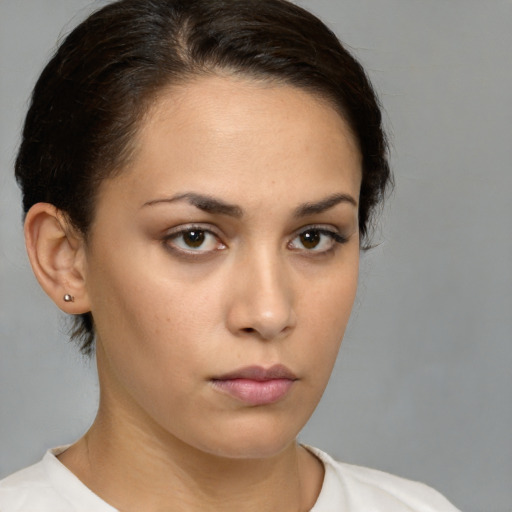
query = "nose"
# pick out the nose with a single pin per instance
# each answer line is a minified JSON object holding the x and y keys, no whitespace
{"x":262,"y":299}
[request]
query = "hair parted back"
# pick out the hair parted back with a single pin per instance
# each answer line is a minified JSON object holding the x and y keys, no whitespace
{"x":90,"y":99}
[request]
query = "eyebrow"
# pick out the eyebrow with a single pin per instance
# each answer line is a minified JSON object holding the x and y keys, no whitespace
{"x":206,"y":203}
{"x":213,"y":205}
{"x":325,"y":204}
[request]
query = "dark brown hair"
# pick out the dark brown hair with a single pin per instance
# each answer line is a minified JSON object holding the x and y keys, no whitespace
{"x":89,"y":100}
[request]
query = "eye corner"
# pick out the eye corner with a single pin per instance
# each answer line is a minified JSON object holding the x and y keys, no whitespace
{"x":317,"y":240}
{"x":193,"y":241}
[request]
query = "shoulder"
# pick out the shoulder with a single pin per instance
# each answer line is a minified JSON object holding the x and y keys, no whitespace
{"x":358,"y":489}
{"x":23,"y":489}
{"x":48,"y":486}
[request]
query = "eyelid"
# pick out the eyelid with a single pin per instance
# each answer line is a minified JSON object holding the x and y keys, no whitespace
{"x":185,"y":228}
{"x":327,"y":230}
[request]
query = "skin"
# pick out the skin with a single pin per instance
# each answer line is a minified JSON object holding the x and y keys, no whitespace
{"x":267,"y":285}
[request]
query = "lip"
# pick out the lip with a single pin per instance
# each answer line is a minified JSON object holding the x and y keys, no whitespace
{"x":256,"y":385}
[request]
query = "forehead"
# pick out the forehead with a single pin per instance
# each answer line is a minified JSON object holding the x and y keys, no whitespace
{"x":234,"y":104}
{"x":224,"y":131}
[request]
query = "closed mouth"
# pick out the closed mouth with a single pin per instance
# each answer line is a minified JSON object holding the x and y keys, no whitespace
{"x":255,"y":385}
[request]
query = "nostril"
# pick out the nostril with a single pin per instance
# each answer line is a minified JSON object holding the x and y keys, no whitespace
{"x":248,"y":330}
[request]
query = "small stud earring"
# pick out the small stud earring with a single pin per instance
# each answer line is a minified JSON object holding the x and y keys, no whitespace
{"x":69,"y":298}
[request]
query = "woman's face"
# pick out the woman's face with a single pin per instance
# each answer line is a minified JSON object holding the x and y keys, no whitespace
{"x":222,"y":265}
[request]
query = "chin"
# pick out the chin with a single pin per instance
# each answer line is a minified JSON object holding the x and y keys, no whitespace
{"x":251,"y":442}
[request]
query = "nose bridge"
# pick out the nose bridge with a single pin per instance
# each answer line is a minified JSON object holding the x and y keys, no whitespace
{"x":263,"y":302}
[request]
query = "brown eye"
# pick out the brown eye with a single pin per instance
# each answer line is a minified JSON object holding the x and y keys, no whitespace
{"x":194,"y":238}
{"x":315,"y":240}
{"x":310,"y":239}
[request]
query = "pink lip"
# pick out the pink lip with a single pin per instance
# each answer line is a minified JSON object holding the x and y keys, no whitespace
{"x":255,"y":385}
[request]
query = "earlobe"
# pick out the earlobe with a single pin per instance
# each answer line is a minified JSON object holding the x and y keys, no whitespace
{"x":57,"y":256}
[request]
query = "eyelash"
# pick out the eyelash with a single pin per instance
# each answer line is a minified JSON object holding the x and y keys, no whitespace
{"x":183,"y":230}
{"x":170,"y":244}
{"x":335,"y":237}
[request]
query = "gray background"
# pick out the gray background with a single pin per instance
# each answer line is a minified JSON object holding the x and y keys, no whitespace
{"x":423,"y":387}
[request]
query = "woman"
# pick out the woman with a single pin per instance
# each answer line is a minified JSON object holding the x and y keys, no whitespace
{"x":198,"y":179}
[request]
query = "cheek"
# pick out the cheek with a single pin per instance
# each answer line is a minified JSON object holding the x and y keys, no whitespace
{"x":150,"y":349}
{"x":152,"y":325}
{"x":325,"y":312}
{"x":142,"y":319}
{"x":328,"y":303}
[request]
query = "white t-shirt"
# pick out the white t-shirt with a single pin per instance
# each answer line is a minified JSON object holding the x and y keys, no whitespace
{"x":49,"y":486}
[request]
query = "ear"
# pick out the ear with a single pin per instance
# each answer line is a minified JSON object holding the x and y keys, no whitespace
{"x":57,"y":255}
